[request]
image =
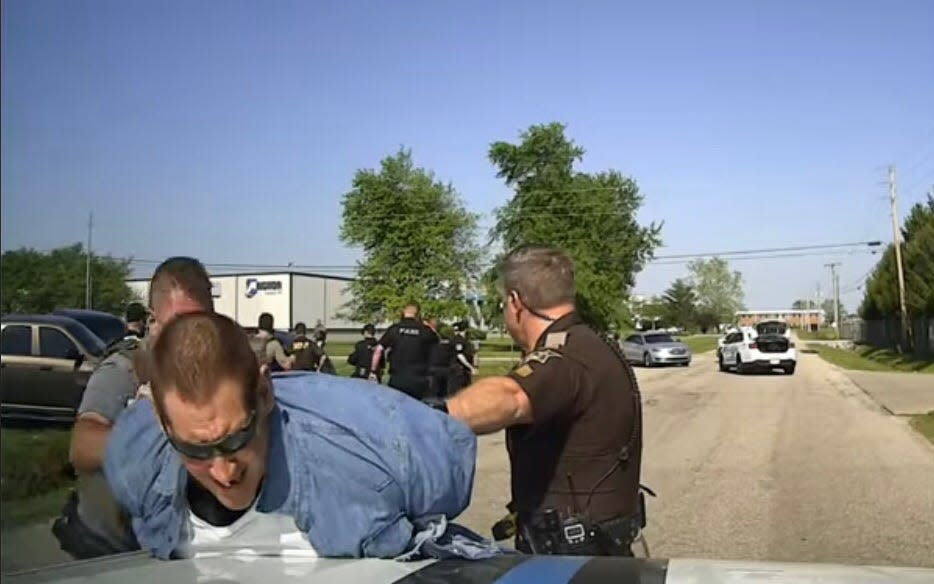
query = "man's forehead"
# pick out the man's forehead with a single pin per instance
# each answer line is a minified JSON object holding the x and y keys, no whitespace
{"x":224,"y":404}
{"x":204,"y":420}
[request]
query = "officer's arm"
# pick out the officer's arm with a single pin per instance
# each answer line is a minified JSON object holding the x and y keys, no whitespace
{"x":374,"y":362}
{"x":108,"y":391}
{"x":278,"y":353}
{"x":491,"y":404}
{"x":88,"y":442}
{"x":465,"y":362}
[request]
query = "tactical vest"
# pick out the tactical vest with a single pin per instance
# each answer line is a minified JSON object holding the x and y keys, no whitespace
{"x":307,"y":356}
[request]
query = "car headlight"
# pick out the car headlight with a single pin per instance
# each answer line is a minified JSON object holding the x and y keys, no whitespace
{"x":656,"y":350}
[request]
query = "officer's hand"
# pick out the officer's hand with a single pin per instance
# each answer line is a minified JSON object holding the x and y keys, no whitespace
{"x":372,"y":377}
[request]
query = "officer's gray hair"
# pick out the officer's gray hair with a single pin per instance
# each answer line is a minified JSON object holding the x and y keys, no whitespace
{"x":543,"y":277}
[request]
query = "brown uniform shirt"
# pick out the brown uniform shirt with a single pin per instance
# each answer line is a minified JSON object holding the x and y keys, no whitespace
{"x":584,"y":411}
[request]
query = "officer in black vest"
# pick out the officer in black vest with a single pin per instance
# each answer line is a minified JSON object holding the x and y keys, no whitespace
{"x":463,"y":359}
{"x":439,"y":367}
{"x":362,"y":356}
{"x":409,"y":343}
{"x":306,"y":354}
{"x":573,"y":418}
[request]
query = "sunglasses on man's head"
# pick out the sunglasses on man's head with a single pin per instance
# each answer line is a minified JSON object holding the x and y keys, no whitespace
{"x":226,"y":446}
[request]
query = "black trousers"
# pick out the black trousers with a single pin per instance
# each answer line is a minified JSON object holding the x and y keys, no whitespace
{"x":438,"y":378}
{"x":458,"y":380}
{"x":411,"y":384}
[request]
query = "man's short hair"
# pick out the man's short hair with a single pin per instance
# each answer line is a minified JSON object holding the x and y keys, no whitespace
{"x":301,"y":329}
{"x":136,"y":312}
{"x":186,"y":275}
{"x":195,"y":353}
{"x":542,"y":276}
{"x":266,"y":322}
{"x":368,"y":329}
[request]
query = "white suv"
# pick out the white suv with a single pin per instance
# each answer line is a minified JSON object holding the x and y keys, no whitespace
{"x":766,"y":347}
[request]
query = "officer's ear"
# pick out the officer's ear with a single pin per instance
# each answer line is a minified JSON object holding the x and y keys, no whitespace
{"x":515,"y":300}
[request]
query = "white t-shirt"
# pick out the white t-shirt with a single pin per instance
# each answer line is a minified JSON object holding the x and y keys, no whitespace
{"x":254,"y":534}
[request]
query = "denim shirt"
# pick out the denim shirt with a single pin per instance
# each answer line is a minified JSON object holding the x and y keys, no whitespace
{"x":357,"y":465}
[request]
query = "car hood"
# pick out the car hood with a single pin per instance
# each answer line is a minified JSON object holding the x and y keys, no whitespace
{"x":249,"y":569}
{"x":667,"y":346}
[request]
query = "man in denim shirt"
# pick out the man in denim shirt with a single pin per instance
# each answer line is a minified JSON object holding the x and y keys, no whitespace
{"x":223,"y":459}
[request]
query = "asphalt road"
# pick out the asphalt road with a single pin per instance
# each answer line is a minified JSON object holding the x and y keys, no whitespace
{"x":801,"y":468}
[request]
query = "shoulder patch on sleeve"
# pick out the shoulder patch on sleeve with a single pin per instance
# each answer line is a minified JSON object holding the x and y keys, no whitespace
{"x":541,"y":356}
{"x":523,"y":370}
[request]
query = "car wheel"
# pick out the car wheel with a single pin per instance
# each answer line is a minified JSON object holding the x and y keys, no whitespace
{"x":740,"y":368}
{"x":647,"y":360}
{"x":686,"y":364}
{"x":720,"y":362}
{"x":790,"y":370}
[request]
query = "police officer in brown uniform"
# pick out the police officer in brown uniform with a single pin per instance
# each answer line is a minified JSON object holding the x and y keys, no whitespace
{"x":572,"y":413}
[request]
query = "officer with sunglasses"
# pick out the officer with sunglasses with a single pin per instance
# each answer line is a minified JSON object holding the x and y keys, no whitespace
{"x":223,"y":458}
{"x":572,"y":414}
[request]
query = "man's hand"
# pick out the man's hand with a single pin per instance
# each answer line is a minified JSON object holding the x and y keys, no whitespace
{"x":491,"y":404}
{"x":373,"y":377}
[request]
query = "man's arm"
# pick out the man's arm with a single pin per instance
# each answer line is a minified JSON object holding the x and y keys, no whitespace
{"x":109,"y":389}
{"x":385,"y":343}
{"x":491,"y":404}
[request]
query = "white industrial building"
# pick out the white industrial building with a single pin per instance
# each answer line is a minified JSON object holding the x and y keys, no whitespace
{"x":290,"y":297}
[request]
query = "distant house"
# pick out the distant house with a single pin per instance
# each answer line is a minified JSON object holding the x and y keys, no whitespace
{"x":811,"y":319}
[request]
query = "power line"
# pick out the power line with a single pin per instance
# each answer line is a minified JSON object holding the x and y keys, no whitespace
{"x":761,"y":257}
{"x":772,"y":250}
{"x":791,"y":252}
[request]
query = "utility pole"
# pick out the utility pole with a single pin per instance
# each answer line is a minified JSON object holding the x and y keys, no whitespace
{"x":87,"y":265}
{"x":897,"y":240}
{"x":835,"y":282}
{"x":820,"y":306}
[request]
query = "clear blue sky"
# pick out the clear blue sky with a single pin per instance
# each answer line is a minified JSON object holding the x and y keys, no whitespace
{"x":229,"y":131}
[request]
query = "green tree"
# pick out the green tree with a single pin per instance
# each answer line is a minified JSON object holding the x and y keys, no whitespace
{"x":680,"y":304}
{"x":40,"y":282}
{"x":418,"y":241}
{"x":719,"y":291}
{"x":707,"y":320}
{"x":591,"y":216}
{"x":491,"y":309}
{"x":880,"y":299}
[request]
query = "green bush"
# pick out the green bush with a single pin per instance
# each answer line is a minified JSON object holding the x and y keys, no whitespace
{"x":33,"y":462}
{"x":476,"y":334}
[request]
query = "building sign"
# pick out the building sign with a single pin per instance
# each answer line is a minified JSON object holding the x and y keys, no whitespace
{"x":254,"y":286}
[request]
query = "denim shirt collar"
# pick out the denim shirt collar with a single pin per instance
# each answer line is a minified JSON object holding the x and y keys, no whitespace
{"x":277,"y":483}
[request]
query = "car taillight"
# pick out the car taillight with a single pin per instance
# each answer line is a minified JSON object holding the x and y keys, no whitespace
{"x":753,"y":346}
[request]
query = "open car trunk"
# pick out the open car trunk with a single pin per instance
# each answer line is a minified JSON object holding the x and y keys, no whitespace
{"x":771,"y":337}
